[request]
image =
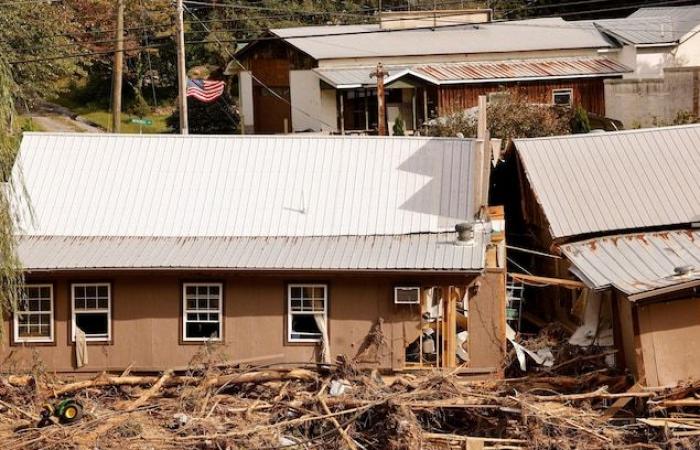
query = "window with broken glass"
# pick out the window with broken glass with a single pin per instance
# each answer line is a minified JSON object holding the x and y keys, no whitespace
{"x":33,"y":320}
{"x":92,"y":310}
{"x":307,"y":311}
{"x":202,"y":309}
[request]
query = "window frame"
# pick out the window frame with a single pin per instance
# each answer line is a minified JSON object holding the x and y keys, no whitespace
{"x":220,"y":311}
{"x":107,"y":310}
{"x":291,"y":313}
{"x":569,"y":91}
{"x":15,"y":321}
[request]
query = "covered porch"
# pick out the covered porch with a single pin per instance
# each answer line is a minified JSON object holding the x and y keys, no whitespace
{"x":355,"y":91}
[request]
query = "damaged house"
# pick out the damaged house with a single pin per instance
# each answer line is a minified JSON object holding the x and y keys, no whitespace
{"x":141,"y":249}
{"x":622,"y":211}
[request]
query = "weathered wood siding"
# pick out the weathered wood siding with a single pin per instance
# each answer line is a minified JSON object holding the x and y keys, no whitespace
{"x":588,"y":92}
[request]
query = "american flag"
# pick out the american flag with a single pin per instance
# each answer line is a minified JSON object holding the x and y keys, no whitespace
{"x":205,"y":90}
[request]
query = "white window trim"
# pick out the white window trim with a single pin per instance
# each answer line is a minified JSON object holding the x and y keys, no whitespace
{"x":220,"y":311}
{"x":108,"y":310}
{"x":290,"y":313}
{"x":50,"y":339}
{"x":569,"y":91}
{"x":406,"y":288}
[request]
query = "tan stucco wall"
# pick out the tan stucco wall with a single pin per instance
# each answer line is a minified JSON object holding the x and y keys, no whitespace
{"x":147,"y":311}
{"x":670,"y":336}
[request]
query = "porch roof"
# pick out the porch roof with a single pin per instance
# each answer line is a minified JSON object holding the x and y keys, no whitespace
{"x":478,"y":71}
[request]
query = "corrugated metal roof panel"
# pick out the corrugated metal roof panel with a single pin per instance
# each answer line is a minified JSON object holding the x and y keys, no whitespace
{"x":170,"y":185}
{"x":356,"y":41}
{"x":635,"y":263}
{"x":603,"y":182}
{"x":518,"y":69}
{"x":455,"y":73}
{"x":654,"y":25}
{"x":418,"y":252}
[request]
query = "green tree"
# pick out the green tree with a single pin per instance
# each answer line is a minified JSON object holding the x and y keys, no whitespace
{"x":217,"y":117}
{"x":37,"y":32}
{"x":10,"y":268}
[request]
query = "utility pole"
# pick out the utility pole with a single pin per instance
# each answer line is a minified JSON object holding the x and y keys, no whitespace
{"x":117,"y":70}
{"x":181,"y":69}
{"x":380,"y":73}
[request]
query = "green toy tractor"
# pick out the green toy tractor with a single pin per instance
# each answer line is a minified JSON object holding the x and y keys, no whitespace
{"x":67,"y":411}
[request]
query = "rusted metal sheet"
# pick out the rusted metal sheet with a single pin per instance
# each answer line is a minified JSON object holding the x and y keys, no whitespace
{"x":636,"y":263}
{"x":530,"y":69}
{"x":414,"y":252}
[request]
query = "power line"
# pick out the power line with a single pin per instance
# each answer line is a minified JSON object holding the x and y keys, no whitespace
{"x":257,"y":80}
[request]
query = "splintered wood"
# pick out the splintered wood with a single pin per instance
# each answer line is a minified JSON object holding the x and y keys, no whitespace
{"x":339,"y":406}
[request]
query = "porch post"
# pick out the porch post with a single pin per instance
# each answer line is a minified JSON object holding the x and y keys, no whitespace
{"x":413,"y":107}
{"x":342,"y":113}
{"x":450,"y":337}
{"x":425,"y":104}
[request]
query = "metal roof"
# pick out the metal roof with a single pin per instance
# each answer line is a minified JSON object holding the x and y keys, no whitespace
{"x":478,"y":72}
{"x":482,"y":71}
{"x":602,"y":182}
{"x":653,"y":25}
{"x":353,"y":41}
{"x":173,"y":185}
{"x":417,"y":252}
{"x":635,"y":263}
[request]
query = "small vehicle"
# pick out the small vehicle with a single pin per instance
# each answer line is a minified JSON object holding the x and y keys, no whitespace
{"x":67,"y":411}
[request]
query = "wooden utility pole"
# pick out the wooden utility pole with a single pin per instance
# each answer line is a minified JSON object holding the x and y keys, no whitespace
{"x":117,"y":70}
{"x":181,"y":69}
{"x":380,"y":73}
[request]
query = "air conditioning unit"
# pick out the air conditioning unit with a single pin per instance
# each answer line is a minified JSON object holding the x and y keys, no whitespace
{"x":407,"y":295}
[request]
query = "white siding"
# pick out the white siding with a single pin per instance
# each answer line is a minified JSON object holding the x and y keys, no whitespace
{"x":305,"y":92}
{"x":245,"y":96}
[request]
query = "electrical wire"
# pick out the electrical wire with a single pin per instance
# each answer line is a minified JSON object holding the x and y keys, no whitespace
{"x":256,"y":79}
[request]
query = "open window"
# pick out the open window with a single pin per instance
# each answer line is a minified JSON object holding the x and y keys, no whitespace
{"x":562,"y":97}
{"x":33,"y":320}
{"x":91,"y":307}
{"x":307,"y":312}
{"x":202,"y":312}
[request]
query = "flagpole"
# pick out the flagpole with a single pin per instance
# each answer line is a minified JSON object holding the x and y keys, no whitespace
{"x":181,"y":70}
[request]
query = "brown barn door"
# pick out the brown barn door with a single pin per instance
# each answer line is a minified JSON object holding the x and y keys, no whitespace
{"x":271,"y":112}
{"x":271,"y":98}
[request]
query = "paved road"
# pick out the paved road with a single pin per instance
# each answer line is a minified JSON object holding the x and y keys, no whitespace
{"x":51,"y":117}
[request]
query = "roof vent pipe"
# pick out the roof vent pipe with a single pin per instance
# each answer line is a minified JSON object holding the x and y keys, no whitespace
{"x":683,"y":271}
{"x":465,"y":233}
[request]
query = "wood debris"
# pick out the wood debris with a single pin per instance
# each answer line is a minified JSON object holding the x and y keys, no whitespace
{"x":582,"y":405}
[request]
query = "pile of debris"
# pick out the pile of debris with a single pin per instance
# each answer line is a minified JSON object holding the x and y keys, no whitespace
{"x":577,"y":403}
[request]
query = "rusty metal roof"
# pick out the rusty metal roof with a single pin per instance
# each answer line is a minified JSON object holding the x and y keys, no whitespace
{"x":414,"y":252}
{"x":477,"y":72}
{"x":484,"y":71}
{"x":618,"y":181}
{"x":636,"y":263}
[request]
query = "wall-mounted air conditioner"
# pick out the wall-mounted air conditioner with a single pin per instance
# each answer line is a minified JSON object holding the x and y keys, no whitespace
{"x":407,"y":295}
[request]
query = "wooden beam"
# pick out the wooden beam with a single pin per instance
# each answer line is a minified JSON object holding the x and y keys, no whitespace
{"x":562,"y":282}
{"x":450,"y":302}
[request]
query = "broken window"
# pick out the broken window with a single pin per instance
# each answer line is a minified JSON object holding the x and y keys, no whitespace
{"x":33,"y":321}
{"x":202,"y":311}
{"x":306,"y":312}
{"x":92,"y":310}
